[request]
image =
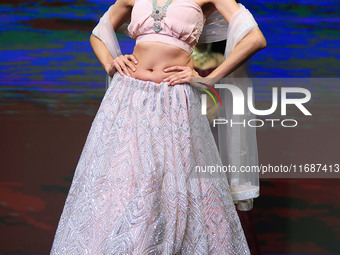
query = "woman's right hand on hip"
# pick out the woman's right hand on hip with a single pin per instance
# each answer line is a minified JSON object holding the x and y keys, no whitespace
{"x":121,"y":63}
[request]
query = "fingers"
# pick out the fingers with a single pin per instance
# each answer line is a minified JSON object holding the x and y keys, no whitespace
{"x":117,"y":66}
{"x":172,"y":77}
{"x":179,"y":81}
{"x":174,"y":68}
{"x":128,"y":62}
{"x":120,"y":64}
{"x":178,"y":78}
{"x":133,"y":58}
{"x":124,"y":61}
{"x":124,"y":65}
{"x":183,"y":76}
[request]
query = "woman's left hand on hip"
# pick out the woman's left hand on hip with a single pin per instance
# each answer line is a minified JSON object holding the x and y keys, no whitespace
{"x":183,"y":75}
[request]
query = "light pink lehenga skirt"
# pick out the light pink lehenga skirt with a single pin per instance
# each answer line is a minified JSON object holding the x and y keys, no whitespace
{"x":135,"y":189}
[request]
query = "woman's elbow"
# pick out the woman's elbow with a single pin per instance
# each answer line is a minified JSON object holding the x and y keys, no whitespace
{"x":91,"y":37}
{"x":259,"y":41}
{"x":262,"y":43}
{"x":93,"y":40}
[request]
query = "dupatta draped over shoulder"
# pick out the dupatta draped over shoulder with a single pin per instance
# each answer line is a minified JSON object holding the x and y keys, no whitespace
{"x":237,"y":143}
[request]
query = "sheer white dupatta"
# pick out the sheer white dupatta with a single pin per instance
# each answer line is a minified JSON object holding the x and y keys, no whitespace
{"x":237,"y":141}
{"x":237,"y":144}
{"x":105,"y":32}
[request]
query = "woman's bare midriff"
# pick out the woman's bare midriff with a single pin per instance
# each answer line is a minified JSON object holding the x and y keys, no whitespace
{"x":153,"y":57}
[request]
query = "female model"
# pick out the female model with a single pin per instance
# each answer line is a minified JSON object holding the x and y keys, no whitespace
{"x":136,"y":188}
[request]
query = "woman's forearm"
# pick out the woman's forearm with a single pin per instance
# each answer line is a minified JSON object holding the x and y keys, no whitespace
{"x":245,"y":49}
{"x":101,"y":52}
